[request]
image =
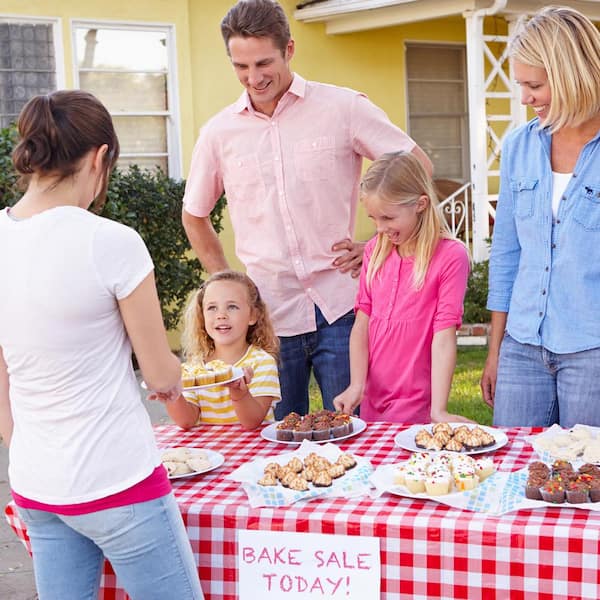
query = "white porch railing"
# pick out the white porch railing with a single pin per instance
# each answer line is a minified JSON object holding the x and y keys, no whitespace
{"x":457,"y":211}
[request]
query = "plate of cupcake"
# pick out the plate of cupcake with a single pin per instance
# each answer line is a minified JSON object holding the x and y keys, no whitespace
{"x":320,"y":427}
{"x":451,"y":437}
{"x":435,"y":476}
{"x":206,"y":375}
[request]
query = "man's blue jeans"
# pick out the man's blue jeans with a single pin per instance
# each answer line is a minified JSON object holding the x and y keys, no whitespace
{"x":537,"y":388}
{"x":327,"y":352}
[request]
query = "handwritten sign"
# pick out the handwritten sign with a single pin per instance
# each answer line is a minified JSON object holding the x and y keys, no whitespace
{"x":284,"y":565}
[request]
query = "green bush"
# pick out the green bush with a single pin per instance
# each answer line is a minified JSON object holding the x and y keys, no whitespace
{"x":476,"y":296}
{"x":150,"y":202}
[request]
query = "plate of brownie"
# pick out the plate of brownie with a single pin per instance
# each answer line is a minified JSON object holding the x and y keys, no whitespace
{"x":320,"y":427}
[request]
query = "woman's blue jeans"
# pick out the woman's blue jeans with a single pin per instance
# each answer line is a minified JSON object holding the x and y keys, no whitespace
{"x":537,"y":388}
{"x":146,"y":544}
{"x":327,"y":352}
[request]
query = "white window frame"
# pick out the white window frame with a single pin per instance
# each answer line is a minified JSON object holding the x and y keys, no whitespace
{"x":465,"y":150}
{"x":172,"y":116}
{"x":57,"y":40}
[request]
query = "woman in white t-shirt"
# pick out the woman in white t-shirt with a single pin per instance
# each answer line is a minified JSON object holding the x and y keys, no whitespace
{"x":78,"y":295}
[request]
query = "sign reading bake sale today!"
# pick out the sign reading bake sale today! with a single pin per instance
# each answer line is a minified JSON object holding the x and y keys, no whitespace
{"x":284,"y":565}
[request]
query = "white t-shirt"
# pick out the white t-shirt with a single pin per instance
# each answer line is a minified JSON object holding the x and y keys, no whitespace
{"x":80,"y":430}
{"x":559,"y":185}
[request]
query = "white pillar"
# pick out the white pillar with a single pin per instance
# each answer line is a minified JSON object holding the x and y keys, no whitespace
{"x":477,"y":135}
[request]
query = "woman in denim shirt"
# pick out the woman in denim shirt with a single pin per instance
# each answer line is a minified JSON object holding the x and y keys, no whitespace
{"x":543,"y":365}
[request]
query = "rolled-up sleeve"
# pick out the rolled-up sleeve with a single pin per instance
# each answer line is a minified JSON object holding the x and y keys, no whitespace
{"x":506,"y":249}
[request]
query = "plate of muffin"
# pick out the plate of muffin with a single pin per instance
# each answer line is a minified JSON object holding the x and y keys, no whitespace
{"x":187,"y":462}
{"x":320,"y":427}
{"x":451,"y":437}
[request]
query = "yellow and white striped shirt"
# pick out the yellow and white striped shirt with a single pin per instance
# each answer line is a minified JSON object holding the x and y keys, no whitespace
{"x":215,"y":402}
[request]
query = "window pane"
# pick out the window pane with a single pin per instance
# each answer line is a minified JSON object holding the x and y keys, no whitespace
{"x":27,"y":63}
{"x":121,"y":49}
{"x":145,"y":162}
{"x":437,"y":131}
{"x":141,"y":134}
{"x":129,"y":92}
{"x":433,"y":62}
{"x":436,"y":97}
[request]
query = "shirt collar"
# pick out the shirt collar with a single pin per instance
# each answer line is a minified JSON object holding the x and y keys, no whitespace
{"x":297,"y":88}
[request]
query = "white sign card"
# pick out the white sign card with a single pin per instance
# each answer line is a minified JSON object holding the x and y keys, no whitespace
{"x":285,"y":565}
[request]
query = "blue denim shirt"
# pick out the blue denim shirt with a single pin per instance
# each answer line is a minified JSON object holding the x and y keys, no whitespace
{"x":545,"y":272}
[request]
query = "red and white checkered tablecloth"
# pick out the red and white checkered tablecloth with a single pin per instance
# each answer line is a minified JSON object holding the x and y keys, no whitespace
{"x":428,"y":550}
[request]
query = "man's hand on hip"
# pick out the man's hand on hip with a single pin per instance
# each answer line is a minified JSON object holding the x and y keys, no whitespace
{"x":351,"y":258}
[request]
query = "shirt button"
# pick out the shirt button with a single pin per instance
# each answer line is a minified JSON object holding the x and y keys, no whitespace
{"x":543,"y":292}
{"x":277,"y":158}
{"x":557,"y":221}
{"x":309,"y":290}
{"x":547,"y":269}
{"x":564,"y":197}
{"x":553,"y":245}
{"x":541,"y":314}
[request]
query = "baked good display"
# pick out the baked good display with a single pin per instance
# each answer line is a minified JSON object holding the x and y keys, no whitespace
{"x":181,"y":461}
{"x":319,"y":426}
{"x":201,"y":374}
{"x":578,"y":443}
{"x":560,"y":482}
{"x":443,"y":473}
{"x":443,"y":436}
{"x":314,"y":470}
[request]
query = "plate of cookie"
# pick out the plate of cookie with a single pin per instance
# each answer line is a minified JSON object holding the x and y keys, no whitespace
{"x":451,"y":437}
{"x":580,"y":444}
{"x":187,"y":462}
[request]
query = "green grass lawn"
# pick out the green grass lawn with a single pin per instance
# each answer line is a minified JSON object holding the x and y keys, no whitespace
{"x":465,"y":396}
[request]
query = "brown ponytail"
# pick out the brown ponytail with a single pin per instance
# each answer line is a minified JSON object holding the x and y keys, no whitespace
{"x":57,"y":130}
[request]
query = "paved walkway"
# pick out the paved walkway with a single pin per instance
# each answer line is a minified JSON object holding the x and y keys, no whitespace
{"x":16,"y":572}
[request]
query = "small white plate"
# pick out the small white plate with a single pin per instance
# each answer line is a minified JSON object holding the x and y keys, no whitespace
{"x":406,"y":439}
{"x":216,"y":459}
{"x":270,"y":433}
{"x":238,"y":373}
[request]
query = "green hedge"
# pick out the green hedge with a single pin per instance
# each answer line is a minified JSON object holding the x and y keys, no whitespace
{"x":476,"y":296}
{"x":150,"y":202}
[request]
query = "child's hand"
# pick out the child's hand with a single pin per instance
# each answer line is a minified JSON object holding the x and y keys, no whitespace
{"x":238,"y":389}
{"x":445,"y":417}
{"x":347,"y":401}
{"x":169,"y":395}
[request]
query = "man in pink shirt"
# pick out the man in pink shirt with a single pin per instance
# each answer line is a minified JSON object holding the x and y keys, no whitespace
{"x":288,"y":156}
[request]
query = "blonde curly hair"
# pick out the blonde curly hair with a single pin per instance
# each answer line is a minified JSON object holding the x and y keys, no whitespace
{"x":195,"y":341}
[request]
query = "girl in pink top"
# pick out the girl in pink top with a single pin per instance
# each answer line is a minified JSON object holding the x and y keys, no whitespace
{"x":410,"y":300}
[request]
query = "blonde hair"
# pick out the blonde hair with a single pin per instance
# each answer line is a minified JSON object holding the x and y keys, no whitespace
{"x":400,"y":179}
{"x":195,"y":341}
{"x":566,"y":44}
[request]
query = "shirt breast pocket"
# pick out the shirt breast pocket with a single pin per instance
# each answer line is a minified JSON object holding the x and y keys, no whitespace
{"x":587,"y":207}
{"x":524,"y":192}
{"x":244,"y":185}
{"x":314,"y":158}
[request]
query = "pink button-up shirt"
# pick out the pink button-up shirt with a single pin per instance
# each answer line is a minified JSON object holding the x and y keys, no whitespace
{"x":291,"y":182}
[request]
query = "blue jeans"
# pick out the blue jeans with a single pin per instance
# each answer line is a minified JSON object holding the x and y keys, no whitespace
{"x":536,"y":387}
{"x":327,"y":352}
{"x":146,"y":544}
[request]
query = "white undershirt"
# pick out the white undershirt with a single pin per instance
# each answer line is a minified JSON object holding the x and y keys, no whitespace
{"x":559,"y":185}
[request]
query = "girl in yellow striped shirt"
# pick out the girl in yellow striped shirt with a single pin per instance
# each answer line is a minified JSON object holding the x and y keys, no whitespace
{"x":227,"y":320}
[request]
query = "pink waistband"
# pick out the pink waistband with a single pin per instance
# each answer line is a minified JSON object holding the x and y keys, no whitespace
{"x":156,"y":485}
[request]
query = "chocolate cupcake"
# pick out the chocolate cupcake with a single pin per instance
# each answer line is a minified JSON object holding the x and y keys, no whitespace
{"x":284,"y":432}
{"x":321,"y":431}
{"x":553,"y":491}
{"x":577,"y":492}
{"x":339,"y":427}
{"x":302,"y":431}
{"x":594,"y":488}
